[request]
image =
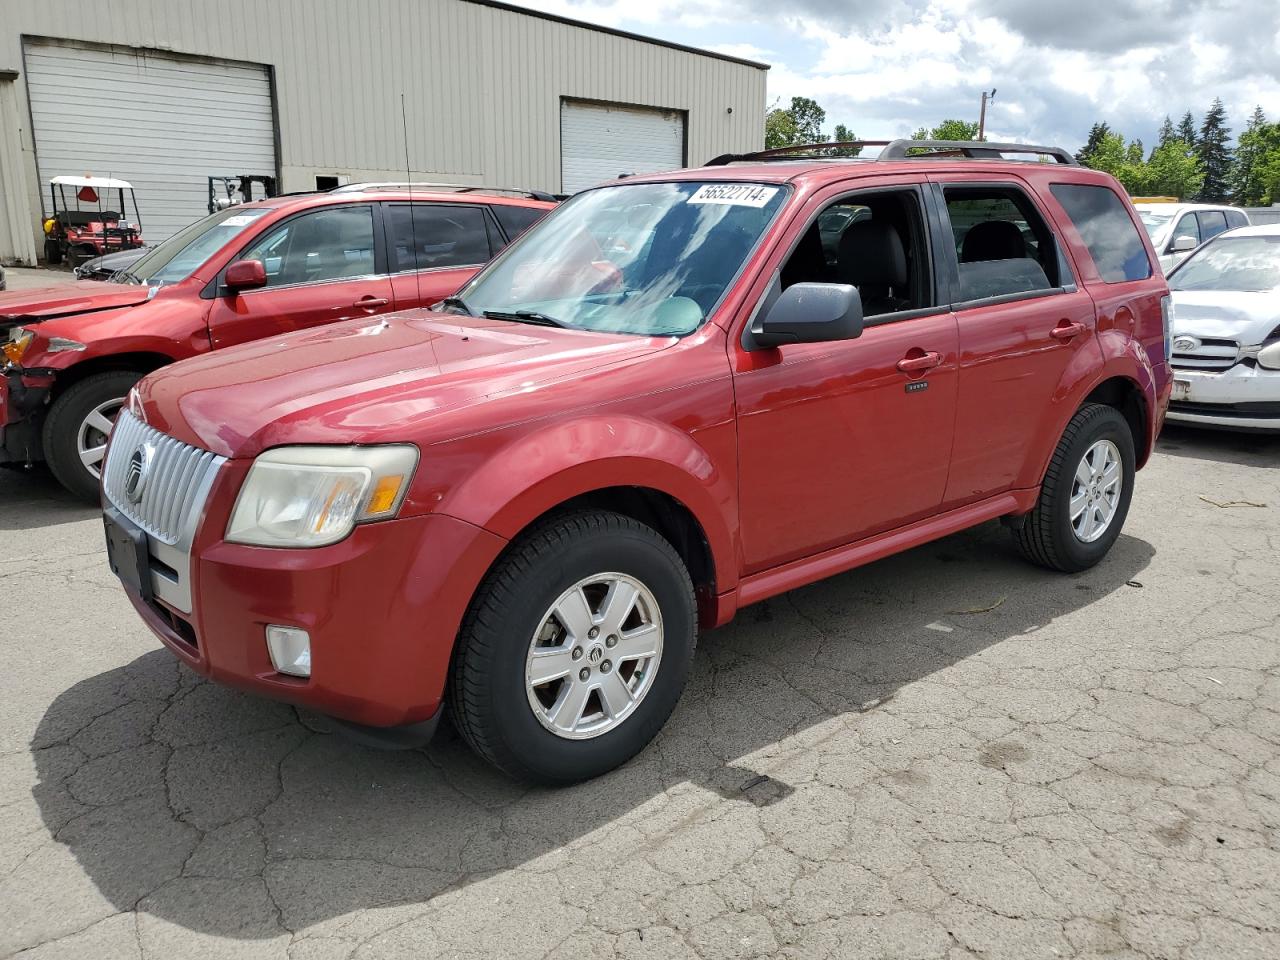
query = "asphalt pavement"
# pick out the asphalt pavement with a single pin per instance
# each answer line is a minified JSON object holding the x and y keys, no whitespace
{"x":946,"y":754}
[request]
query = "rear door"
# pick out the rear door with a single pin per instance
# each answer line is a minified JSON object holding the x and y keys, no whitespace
{"x":322,"y":265}
{"x":434,"y":248}
{"x":1022,"y":322}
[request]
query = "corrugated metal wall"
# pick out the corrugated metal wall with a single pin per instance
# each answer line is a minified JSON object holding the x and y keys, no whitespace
{"x":482,"y":85}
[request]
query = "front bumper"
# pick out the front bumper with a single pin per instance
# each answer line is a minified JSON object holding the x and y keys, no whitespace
{"x":23,"y":400}
{"x":1245,"y":397}
{"x":382,"y":608}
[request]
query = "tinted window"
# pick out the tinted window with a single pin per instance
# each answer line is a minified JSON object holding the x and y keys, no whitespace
{"x":441,"y":235}
{"x":1212,"y":223}
{"x":1187,"y":227}
{"x":1002,"y":243}
{"x":1236,"y":218}
{"x":1104,"y":225}
{"x":516,"y":220}
{"x":327,"y":244}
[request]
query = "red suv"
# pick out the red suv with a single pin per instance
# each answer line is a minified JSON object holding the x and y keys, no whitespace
{"x":246,"y":272}
{"x":677,"y":395}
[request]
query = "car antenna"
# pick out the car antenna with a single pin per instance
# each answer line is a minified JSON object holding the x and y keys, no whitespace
{"x":413,"y":211}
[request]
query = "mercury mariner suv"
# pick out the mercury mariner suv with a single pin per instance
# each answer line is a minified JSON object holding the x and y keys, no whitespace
{"x":675,"y":396}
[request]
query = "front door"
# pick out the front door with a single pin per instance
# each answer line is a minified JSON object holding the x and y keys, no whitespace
{"x":840,"y":441}
{"x":322,"y":266}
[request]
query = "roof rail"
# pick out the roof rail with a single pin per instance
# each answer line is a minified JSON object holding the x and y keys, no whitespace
{"x":897,"y":150}
{"x":790,"y":153}
{"x":455,"y":187}
{"x":970,"y":150}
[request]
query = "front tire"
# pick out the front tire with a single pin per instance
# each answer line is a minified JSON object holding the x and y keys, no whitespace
{"x":575,"y":648}
{"x":1085,"y":495}
{"x":76,"y":430}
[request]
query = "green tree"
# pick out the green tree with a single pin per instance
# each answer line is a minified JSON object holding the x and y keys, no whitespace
{"x":1211,"y":147}
{"x":1167,"y":133}
{"x":1187,"y":129}
{"x":1247,"y":188}
{"x":799,"y":123}
{"x":954,"y":130}
{"x":844,"y":135}
{"x":1261,"y":146}
{"x":1172,"y":171}
{"x":1097,"y":133}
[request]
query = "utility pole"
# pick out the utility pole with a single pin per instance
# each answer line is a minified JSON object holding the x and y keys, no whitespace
{"x":982,"y":113}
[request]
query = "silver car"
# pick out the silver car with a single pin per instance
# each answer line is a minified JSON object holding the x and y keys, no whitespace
{"x":1178,"y":228}
{"x":1225,"y":327}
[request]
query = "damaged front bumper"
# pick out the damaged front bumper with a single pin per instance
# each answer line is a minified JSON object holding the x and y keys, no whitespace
{"x":24,"y":397}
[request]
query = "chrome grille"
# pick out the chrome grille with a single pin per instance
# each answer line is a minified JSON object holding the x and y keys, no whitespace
{"x":1210,"y":354}
{"x":178,"y":477}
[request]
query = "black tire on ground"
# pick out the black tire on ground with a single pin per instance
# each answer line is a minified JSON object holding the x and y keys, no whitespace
{"x":62,"y":427}
{"x":1047,"y":537}
{"x":487,"y":695}
{"x":52,"y":252}
{"x":81,"y":255}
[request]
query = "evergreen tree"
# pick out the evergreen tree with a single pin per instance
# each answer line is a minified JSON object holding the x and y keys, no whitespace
{"x":1167,"y":134}
{"x":1097,"y":134}
{"x":1187,"y":129}
{"x":1215,"y":155}
{"x":1251,"y":153}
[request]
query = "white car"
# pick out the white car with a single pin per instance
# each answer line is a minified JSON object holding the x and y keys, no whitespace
{"x":1178,"y":228}
{"x":1225,"y":328}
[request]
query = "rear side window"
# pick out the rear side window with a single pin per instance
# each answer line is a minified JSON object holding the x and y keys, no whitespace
{"x":1106,"y":229}
{"x":1236,"y":218}
{"x":516,"y":220}
{"x":426,"y":236}
{"x":1212,"y":223}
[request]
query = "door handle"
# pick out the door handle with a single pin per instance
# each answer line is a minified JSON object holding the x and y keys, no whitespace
{"x":924,"y":362}
{"x":371,"y":303}
{"x":1067,"y":330}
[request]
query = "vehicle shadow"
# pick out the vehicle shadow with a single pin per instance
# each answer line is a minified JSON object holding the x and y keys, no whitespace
{"x":1228,"y":446}
{"x":234,"y":816}
{"x":30,"y":499}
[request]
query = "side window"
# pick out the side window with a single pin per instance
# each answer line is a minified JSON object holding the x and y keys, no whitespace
{"x":873,"y":241}
{"x":1187,"y":227}
{"x":328,"y":244}
{"x":1003,"y":245}
{"x":1212,"y":223}
{"x":1236,"y":218}
{"x":1107,"y":230}
{"x":516,"y":220}
{"x":427,"y":236}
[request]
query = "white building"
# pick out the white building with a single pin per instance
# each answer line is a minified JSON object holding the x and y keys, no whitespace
{"x":165,"y":93}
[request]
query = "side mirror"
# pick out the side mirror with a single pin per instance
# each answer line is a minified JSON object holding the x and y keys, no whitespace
{"x":810,"y":313}
{"x":245,"y":275}
{"x":1184,"y":243}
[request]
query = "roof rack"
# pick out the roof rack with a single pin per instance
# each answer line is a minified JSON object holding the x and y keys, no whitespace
{"x":455,"y":187}
{"x":898,"y":150}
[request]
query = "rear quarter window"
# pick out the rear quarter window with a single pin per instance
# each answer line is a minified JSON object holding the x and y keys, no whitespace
{"x":1104,"y":225}
{"x":516,"y":220}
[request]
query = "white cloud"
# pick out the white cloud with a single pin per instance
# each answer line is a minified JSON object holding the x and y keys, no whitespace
{"x":886,"y":67}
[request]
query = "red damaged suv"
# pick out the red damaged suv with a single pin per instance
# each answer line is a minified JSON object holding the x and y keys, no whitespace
{"x":72,"y":353}
{"x":677,"y":395}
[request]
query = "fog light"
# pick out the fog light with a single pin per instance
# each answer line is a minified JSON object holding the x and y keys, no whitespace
{"x":290,"y":649}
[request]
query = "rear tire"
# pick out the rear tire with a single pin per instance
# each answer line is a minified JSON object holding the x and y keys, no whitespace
{"x":1083,"y":504}
{"x":514,"y":618}
{"x":74,"y":430}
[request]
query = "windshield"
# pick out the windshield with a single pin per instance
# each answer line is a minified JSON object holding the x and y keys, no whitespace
{"x":652,"y":259}
{"x":1154,"y":221}
{"x":177,"y":258}
{"x":1231,"y":263}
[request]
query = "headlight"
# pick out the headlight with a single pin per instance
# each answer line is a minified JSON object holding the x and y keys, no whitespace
{"x":16,"y":345}
{"x":313,"y":496}
{"x":1269,"y":356}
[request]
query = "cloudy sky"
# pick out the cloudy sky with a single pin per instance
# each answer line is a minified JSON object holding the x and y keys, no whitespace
{"x":886,"y":67}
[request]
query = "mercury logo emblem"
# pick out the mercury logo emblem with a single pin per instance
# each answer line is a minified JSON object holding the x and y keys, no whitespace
{"x":135,"y":478}
{"x":596,"y":655}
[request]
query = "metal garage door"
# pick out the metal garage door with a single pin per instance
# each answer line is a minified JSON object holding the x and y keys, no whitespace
{"x":165,"y":123}
{"x":599,"y":141}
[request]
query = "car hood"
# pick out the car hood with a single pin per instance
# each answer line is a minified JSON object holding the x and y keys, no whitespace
{"x":365,"y":381}
{"x":87,"y":296}
{"x":1243,"y":316}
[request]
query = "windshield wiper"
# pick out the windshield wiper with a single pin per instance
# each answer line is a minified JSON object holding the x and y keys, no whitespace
{"x":527,"y":316}
{"x":132,"y":277}
{"x":458,"y":303}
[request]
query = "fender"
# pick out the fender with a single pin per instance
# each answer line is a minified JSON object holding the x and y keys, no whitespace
{"x":567,"y":459}
{"x":1112,"y":355}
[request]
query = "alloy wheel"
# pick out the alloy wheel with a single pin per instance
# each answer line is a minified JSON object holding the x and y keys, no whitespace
{"x":1095,"y":491}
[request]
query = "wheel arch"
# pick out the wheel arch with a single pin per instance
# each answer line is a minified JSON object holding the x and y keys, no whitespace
{"x":1124,"y":393}
{"x":141,"y":361}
